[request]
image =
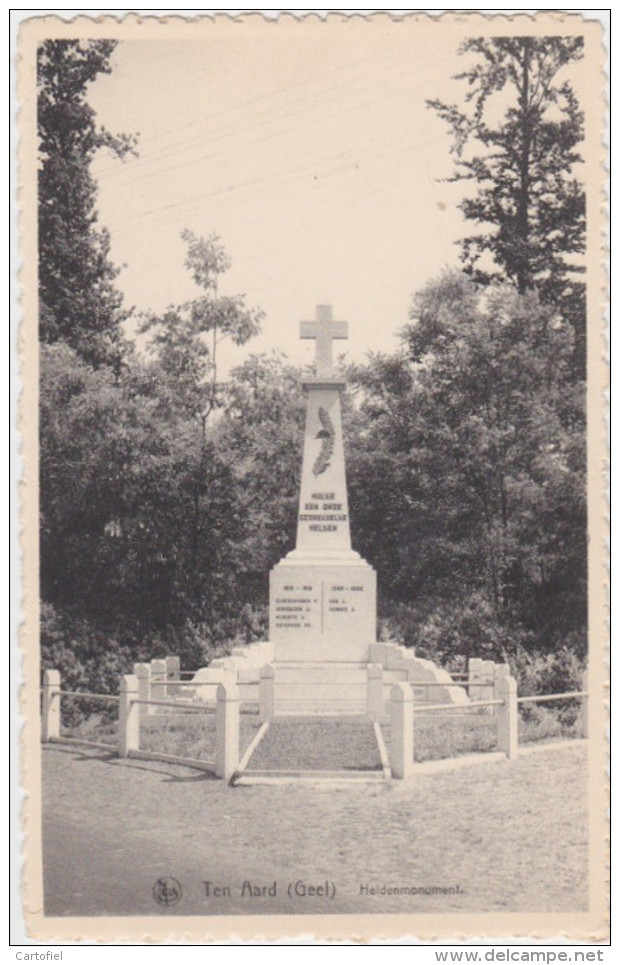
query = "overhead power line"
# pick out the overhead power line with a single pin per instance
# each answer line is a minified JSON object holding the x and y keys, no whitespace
{"x":200,"y":118}
{"x":304,"y":125}
{"x":229,"y":195}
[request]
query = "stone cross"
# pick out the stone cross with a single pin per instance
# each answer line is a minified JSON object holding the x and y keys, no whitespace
{"x":324,"y":330}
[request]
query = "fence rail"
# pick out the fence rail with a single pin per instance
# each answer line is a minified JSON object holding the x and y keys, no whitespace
{"x":130,"y":702}
{"x":452,"y":683}
{"x":542,"y":698}
{"x":83,"y":742}
{"x":190,"y":683}
{"x":150,"y":686}
{"x":202,"y":765}
{"x":423,"y":708}
{"x":203,"y":708}
{"x":85,"y":693}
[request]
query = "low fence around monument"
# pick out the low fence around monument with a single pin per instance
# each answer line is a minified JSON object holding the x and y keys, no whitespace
{"x":135,"y":703}
{"x":163,"y":679}
{"x":403,"y":713}
{"x":132,"y":706}
{"x":51,"y":696}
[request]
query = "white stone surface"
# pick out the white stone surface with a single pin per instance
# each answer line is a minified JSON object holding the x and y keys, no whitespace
{"x":323,"y":518}
{"x":322,"y":612}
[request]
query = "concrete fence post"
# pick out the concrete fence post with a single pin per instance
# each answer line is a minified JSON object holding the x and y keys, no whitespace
{"x":488,"y":677}
{"x":584,"y":705}
{"x":474,"y":674}
{"x":374,"y":691}
{"x":173,"y":674}
{"x":267,"y":692}
{"x":128,"y":716}
{"x":158,"y":683}
{"x":143,"y":672}
{"x":227,"y":729}
{"x":508,"y":718}
{"x":401,"y":730}
{"x":500,"y":670}
{"x":50,"y":725}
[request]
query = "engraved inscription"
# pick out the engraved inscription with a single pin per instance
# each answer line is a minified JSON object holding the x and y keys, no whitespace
{"x":344,"y":597}
{"x":323,"y":512}
{"x":297,"y":606}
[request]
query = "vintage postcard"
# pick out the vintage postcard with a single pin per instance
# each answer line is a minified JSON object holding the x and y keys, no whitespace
{"x":313,"y":511}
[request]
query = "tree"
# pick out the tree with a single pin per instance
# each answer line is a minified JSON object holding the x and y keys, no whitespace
{"x":518,"y":144}
{"x":261,"y":431}
{"x":472,"y":451}
{"x":186,"y":337}
{"x":122,"y":546}
{"x":78,"y":303}
{"x":503,"y":422}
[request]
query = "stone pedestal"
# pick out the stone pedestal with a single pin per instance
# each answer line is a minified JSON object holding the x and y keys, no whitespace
{"x":322,"y":611}
{"x":323,"y":595}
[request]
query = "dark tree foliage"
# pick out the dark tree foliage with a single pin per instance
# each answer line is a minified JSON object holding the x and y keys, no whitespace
{"x":78,"y":303}
{"x":517,"y":142}
{"x":467,"y":475}
{"x":150,"y":534}
{"x":262,"y":432}
{"x":140,"y":528}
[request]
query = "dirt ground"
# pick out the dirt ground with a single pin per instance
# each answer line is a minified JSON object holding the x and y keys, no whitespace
{"x":493,"y":837}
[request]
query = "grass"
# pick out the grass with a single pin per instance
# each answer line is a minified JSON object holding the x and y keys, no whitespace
{"x":331,"y":744}
{"x":97,"y":727}
{"x":437,"y":737}
{"x":187,"y":735}
{"x":191,"y":735}
{"x":540,"y":723}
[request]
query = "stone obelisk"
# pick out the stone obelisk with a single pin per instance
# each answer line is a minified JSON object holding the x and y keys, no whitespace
{"x":322,"y":595}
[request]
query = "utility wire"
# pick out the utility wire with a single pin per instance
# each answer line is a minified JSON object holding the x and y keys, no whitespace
{"x":358,"y":105}
{"x":200,"y":118}
{"x":230,"y":130}
{"x":310,"y":165}
{"x":223,"y":197}
{"x":234,"y":131}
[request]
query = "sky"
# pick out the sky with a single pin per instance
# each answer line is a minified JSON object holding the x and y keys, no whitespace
{"x":311,"y":154}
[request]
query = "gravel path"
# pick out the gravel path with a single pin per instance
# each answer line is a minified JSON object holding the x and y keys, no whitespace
{"x":509,"y":836}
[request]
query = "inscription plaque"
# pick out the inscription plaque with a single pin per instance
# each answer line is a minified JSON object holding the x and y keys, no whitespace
{"x":297,"y":606}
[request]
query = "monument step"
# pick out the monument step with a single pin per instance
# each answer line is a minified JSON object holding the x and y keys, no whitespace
{"x":322,"y":673}
{"x":277,"y":776}
{"x":333,"y":665}
{"x":324,"y":689}
{"x":312,"y":707}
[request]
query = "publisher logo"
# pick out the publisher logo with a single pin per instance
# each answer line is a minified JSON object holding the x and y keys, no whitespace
{"x":167,"y":891}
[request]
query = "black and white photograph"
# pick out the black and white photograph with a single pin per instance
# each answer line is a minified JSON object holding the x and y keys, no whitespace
{"x":313,"y":516}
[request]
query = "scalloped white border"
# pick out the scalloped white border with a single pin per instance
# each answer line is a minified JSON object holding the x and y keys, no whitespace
{"x":351,"y":928}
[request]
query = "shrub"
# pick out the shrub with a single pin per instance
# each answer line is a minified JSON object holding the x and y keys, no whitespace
{"x":87,"y":659}
{"x":554,"y":673}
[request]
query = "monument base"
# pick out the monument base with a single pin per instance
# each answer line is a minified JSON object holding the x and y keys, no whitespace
{"x":322,"y":611}
{"x":325,"y":689}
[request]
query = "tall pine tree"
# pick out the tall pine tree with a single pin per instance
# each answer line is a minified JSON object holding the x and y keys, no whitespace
{"x":78,"y":303}
{"x":517,"y":140}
